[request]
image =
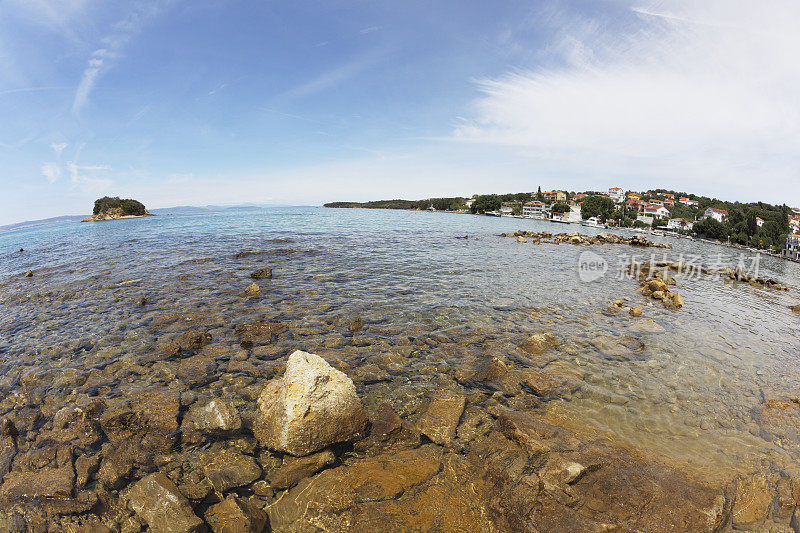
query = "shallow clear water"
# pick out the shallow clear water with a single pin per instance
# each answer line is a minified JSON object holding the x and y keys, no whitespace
{"x":693,"y":397}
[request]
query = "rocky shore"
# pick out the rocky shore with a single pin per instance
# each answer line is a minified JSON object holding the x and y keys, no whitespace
{"x":274,"y":413}
{"x":113,"y":214}
{"x":306,"y":454}
{"x":546,"y":237}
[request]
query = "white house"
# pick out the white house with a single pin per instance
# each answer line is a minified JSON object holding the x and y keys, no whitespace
{"x":679,"y":223}
{"x":691,"y":203}
{"x":536,"y":209}
{"x":506,"y":210}
{"x":759,"y":221}
{"x":469,"y":202}
{"x":720,"y":215}
{"x":656,"y":211}
{"x":616,"y":194}
{"x":792,"y":249}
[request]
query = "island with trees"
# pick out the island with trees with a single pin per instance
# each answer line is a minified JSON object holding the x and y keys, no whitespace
{"x":108,"y":208}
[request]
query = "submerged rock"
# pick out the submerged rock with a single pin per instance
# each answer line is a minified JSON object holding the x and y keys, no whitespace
{"x":228,"y":469}
{"x":536,"y":344}
{"x":235,"y":515}
{"x":440,"y":419}
{"x":252,"y":290}
{"x":262,"y":273}
{"x":373,"y":479}
{"x":311,"y":407}
{"x":214,"y":416}
{"x":646,"y":325}
{"x":258,"y":332}
{"x":619,"y":347}
{"x":45,"y":483}
{"x":158,"y":502}
{"x":296,"y":468}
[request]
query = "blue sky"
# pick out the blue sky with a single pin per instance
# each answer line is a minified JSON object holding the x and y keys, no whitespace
{"x":214,"y":102}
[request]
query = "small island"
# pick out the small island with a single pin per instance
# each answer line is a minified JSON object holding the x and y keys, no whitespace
{"x":107,"y":208}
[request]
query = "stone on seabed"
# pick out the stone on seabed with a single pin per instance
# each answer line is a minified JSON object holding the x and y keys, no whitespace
{"x":311,"y":407}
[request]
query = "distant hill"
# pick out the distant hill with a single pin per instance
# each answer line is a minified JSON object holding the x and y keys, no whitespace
{"x":65,"y":219}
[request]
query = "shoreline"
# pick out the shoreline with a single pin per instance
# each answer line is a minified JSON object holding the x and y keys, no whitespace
{"x":105,"y":218}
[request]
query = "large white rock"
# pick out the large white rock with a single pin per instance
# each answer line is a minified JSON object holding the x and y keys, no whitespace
{"x":312,"y":406}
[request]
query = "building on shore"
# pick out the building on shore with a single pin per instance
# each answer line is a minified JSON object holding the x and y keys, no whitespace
{"x":720,"y":215}
{"x":656,"y":211}
{"x":792,"y":248}
{"x":554,"y":196}
{"x":679,"y":224}
{"x":536,"y":209}
{"x":616,"y":194}
{"x":691,"y":203}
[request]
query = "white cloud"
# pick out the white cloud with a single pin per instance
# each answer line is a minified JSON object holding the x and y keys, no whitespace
{"x":51,"y":171}
{"x":58,"y":148}
{"x":112,"y":45}
{"x":702,"y":95}
{"x":89,"y":178}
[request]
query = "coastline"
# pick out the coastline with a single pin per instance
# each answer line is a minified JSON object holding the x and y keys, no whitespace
{"x":106,"y":218}
{"x":483,"y":364}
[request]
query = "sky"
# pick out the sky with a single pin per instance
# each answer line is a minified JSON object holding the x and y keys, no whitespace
{"x":197,"y":102}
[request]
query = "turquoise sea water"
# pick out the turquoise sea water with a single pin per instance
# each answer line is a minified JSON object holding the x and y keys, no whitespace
{"x":694,"y":396}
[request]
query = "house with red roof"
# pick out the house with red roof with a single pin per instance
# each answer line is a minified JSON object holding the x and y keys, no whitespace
{"x":720,"y":215}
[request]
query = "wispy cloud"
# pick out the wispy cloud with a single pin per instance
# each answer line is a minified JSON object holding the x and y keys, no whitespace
{"x":89,"y":178}
{"x":335,"y":76}
{"x":695,"y":91}
{"x":51,"y":171}
{"x":58,"y":148}
{"x":371,"y":29}
{"x":112,"y":46}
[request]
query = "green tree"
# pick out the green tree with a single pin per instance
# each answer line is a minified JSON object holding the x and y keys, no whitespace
{"x":539,"y":195}
{"x":560,"y":207}
{"x":486,"y":202}
{"x":597,"y":206}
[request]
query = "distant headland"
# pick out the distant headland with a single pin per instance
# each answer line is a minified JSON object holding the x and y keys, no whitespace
{"x":107,"y":208}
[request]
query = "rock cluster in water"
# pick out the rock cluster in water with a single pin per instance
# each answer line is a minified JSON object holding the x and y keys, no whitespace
{"x":546,"y":237}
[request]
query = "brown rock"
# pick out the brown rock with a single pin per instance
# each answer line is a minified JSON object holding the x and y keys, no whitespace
{"x":216,"y":415}
{"x":158,"y":502}
{"x":753,"y":499}
{"x":658,"y":295}
{"x":371,"y":479}
{"x":677,"y":299}
{"x":235,"y":515}
{"x":538,"y":343}
{"x":194,"y":339}
{"x":296,"y":468}
{"x":252,"y":290}
{"x":258,"y":332}
{"x":262,"y":273}
{"x":440,"y":419}
{"x":86,"y":467}
{"x":646,"y":325}
{"x":635,"y":311}
{"x":621,"y":347}
{"x":227,"y":469}
{"x":355,"y":325}
{"x":45,"y":483}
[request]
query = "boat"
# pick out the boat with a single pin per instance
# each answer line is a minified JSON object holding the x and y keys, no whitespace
{"x":493,"y":214}
{"x":592,"y":223}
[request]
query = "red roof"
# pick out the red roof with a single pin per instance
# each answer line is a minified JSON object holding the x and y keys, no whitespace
{"x":718,"y":210}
